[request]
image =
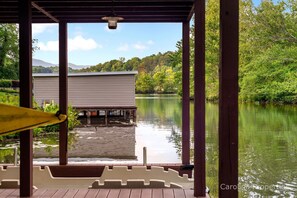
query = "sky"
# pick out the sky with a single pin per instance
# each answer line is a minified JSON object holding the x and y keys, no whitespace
{"x":93,"y":43}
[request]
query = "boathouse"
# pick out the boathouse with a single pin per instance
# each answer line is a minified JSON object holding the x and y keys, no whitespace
{"x":99,"y":93}
{"x":63,"y":12}
{"x":88,"y":90}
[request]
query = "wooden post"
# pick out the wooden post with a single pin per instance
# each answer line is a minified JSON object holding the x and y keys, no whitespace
{"x":106,"y":121}
{"x":25,"y":70}
{"x":199,"y":103}
{"x":228,"y":99}
{"x":186,"y":95}
{"x":63,"y":92}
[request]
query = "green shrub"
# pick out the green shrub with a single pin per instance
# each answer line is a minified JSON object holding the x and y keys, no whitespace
{"x":53,"y":108}
{"x":5,"y":83}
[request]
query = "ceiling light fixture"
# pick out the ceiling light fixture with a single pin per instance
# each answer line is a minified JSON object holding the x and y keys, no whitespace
{"x":112,"y":19}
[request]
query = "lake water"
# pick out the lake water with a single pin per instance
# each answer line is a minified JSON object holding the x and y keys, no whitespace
{"x":267,"y":144}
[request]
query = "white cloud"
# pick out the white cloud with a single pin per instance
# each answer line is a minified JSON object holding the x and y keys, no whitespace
{"x":150,"y":42}
{"x":143,"y":45}
{"x":39,"y":28}
{"x":49,"y":46}
{"x":80,"y":43}
{"x":76,"y":43}
{"x":123,"y":48}
{"x":139,"y":46}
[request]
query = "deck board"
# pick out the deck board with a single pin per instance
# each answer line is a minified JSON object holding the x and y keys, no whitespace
{"x":60,"y":193}
{"x":14,"y":194}
{"x":37,"y":193}
{"x":71,"y":193}
{"x":168,"y":193}
{"x":104,"y":193}
{"x":81,"y":193}
{"x":6,"y":192}
{"x":49,"y":193}
{"x":125,"y":193}
{"x":92,"y":193}
{"x":135,"y":193}
{"x":146,"y":193}
{"x":180,"y":193}
{"x":157,"y":193}
{"x":114,"y":193}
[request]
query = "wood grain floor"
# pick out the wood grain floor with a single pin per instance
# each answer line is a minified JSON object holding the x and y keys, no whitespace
{"x":103,"y":193}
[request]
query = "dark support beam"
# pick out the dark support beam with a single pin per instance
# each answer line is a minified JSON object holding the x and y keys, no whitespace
{"x":45,"y":12}
{"x":199,"y":104}
{"x":25,"y":60}
{"x":186,"y":95}
{"x":190,"y":15}
{"x":63,"y":92}
{"x":228,"y":98}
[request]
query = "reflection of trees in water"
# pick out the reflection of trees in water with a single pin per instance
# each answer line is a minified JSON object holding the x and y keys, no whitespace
{"x":159,"y":112}
{"x":267,"y":149}
{"x":50,"y":140}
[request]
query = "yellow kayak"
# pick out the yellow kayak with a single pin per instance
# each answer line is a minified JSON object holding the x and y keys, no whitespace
{"x":16,"y":119}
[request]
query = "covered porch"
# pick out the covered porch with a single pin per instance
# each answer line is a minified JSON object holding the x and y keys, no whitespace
{"x":26,"y":12}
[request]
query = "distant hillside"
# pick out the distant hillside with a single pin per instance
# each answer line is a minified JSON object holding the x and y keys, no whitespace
{"x":37,"y":62}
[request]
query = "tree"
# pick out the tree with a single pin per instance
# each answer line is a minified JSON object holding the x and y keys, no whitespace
{"x":9,"y":51}
{"x":144,"y":83}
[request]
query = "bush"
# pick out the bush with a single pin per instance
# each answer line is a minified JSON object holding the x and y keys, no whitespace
{"x":53,"y":108}
{"x":5,"y":83}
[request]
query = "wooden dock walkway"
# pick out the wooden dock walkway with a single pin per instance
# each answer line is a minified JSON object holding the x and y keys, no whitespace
{"x":103,"y":193}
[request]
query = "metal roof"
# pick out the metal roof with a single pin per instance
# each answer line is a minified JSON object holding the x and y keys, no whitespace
{"x":89,"y":11}
{"x":87,"y":74}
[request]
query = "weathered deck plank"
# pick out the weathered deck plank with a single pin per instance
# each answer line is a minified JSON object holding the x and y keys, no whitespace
{"x":180,"y":193}
{"x":81,"y":193}
{"x":60,"y":193}
{"x":157,"y":193}
{"x":71,"y":193}
{"x":146,"y":193}
{"x":49,"y":193}
{"x":125,"y":193}
{"x":6,"y":192}
{"x":168,"y":193}
{"x":104,"y":193}
{"x":114,"y":193}
{"x":135,"y":193}
{"x":92,"y":193}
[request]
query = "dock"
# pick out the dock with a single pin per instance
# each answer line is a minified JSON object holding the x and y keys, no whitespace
{"x":104,"y":193}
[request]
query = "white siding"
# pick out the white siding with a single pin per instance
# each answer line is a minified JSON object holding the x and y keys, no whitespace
{"x":89,"y":91}
{"x":46,"y":88}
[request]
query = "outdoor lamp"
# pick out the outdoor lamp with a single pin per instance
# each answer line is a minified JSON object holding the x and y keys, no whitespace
{"x":112,"y":20}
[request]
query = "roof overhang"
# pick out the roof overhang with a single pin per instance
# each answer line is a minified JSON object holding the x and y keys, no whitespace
{"x":92,"y":11}
{"x":87,"y":74}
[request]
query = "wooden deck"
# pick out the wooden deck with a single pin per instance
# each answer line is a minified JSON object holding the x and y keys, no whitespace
{"x":103,"y":193}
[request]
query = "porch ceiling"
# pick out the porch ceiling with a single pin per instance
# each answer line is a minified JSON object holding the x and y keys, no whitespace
{"x":80,"y":11}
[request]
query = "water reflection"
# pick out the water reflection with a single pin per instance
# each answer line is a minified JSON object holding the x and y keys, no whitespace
{"x":267,"y":144}
{"x":97,"y":142}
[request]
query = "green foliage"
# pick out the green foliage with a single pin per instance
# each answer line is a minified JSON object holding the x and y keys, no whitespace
{"x":9,"y":51}
{"x":5,"y":83}
{"x":13,"y":99}
{"x":53,"y":108}
{"x":163,"y":78}
{"x":271,"y":76}
{"x":268,"y":61}
{"x":9,"y":98}
{"x":144,"y":83}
